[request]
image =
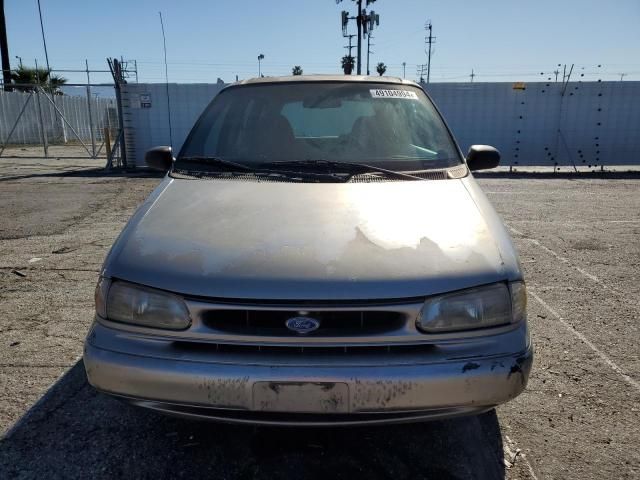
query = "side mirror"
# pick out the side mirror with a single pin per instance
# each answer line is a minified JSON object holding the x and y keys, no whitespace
{"x":159,"y":158}
{"x":482,"y":157}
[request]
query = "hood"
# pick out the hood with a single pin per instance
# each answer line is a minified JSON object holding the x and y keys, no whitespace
{"x":301,"y":241}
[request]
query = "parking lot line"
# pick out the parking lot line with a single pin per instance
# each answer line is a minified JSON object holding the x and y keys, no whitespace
{"x":601,"y":354}
{"x":565,"y":260}
{"x":511,"y":443}
{"x":578,"y":223}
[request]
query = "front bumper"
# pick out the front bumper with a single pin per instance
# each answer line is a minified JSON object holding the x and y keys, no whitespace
{"x":345,"y":388}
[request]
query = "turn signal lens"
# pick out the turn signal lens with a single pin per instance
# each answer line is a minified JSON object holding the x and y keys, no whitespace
{"x":518,"y":301}
{"x":101,"y":296}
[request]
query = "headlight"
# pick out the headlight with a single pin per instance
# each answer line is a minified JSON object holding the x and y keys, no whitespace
{"x":481,"y":307}
{"x":138,"y":305}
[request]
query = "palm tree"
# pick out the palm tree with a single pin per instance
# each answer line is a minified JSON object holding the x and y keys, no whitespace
{"x":26,"y":78}
{"x":296,"y":70}
{"x":55,"y":84}
{"x":348,"y":62}
{"x":381,"y":68}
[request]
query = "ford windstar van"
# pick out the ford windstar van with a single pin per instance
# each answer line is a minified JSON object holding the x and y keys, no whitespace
{"x":317,"y":253}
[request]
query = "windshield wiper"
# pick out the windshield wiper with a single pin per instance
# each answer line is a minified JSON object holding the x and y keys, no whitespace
{"x":340,"y":167}
{"x":235,"y":167}
{"x":216,"y":161}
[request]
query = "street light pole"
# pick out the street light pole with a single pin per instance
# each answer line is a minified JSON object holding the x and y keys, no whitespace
{"x":19,"y":60}
{"x":404,"y":69}
{"x":260,"y":57}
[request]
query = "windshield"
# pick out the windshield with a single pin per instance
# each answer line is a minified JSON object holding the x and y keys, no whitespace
{"x":386,"y":125}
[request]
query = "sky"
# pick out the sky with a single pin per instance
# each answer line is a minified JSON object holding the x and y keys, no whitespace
{"x":500,"y":40}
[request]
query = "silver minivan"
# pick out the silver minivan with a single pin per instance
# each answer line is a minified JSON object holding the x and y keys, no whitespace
{"x":318,"y":253}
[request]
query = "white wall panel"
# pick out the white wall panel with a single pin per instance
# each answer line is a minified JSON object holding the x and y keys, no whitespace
{"x":586,"y":123}
{"x":146,"y":127}
{"x":592,"y":123}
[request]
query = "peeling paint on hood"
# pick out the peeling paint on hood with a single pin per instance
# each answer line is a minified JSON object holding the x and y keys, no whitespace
{"x":245,"y":240}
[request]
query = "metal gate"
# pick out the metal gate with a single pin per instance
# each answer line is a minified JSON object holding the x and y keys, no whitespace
{"x":40,"y":120}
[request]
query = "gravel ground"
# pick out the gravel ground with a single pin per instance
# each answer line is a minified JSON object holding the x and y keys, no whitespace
{"x":579,"y":243}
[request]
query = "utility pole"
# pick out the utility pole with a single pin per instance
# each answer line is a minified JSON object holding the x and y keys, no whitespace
{"x":430,"y":40}
{"x":420,"y":69}
{"x":622,"y":75}
{"x":369,"y":52}
{"x":4,"y":50}
{"x":349,"y":46}
{"x":364,"y":22}
{"x":557,"y":72}
{"x":472,"y":75}
{"x":359,"y":23}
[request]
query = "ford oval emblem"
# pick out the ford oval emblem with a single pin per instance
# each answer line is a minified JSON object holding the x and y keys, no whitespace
{"x":302,"y":325}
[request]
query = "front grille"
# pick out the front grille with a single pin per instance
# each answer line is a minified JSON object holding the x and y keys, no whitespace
{"x":332,"y":323}
{"x":261,"y":325}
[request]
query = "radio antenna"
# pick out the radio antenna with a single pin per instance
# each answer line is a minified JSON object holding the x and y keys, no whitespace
{"x":166,"y":79}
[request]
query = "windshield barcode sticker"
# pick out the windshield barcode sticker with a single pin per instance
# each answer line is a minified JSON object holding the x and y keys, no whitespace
{"x":394,"y":94}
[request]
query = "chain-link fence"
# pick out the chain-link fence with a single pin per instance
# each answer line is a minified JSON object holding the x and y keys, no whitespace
{"x":36,"y":121}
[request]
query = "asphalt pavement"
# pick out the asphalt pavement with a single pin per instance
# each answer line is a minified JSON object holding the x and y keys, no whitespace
{"x":579,"y":241}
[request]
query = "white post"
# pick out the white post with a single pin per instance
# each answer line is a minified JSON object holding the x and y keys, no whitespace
{"x":43,"y":133}
{"x":93,"y":135}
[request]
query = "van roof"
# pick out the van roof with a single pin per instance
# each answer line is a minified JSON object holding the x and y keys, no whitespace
{"x":327,"y":78}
